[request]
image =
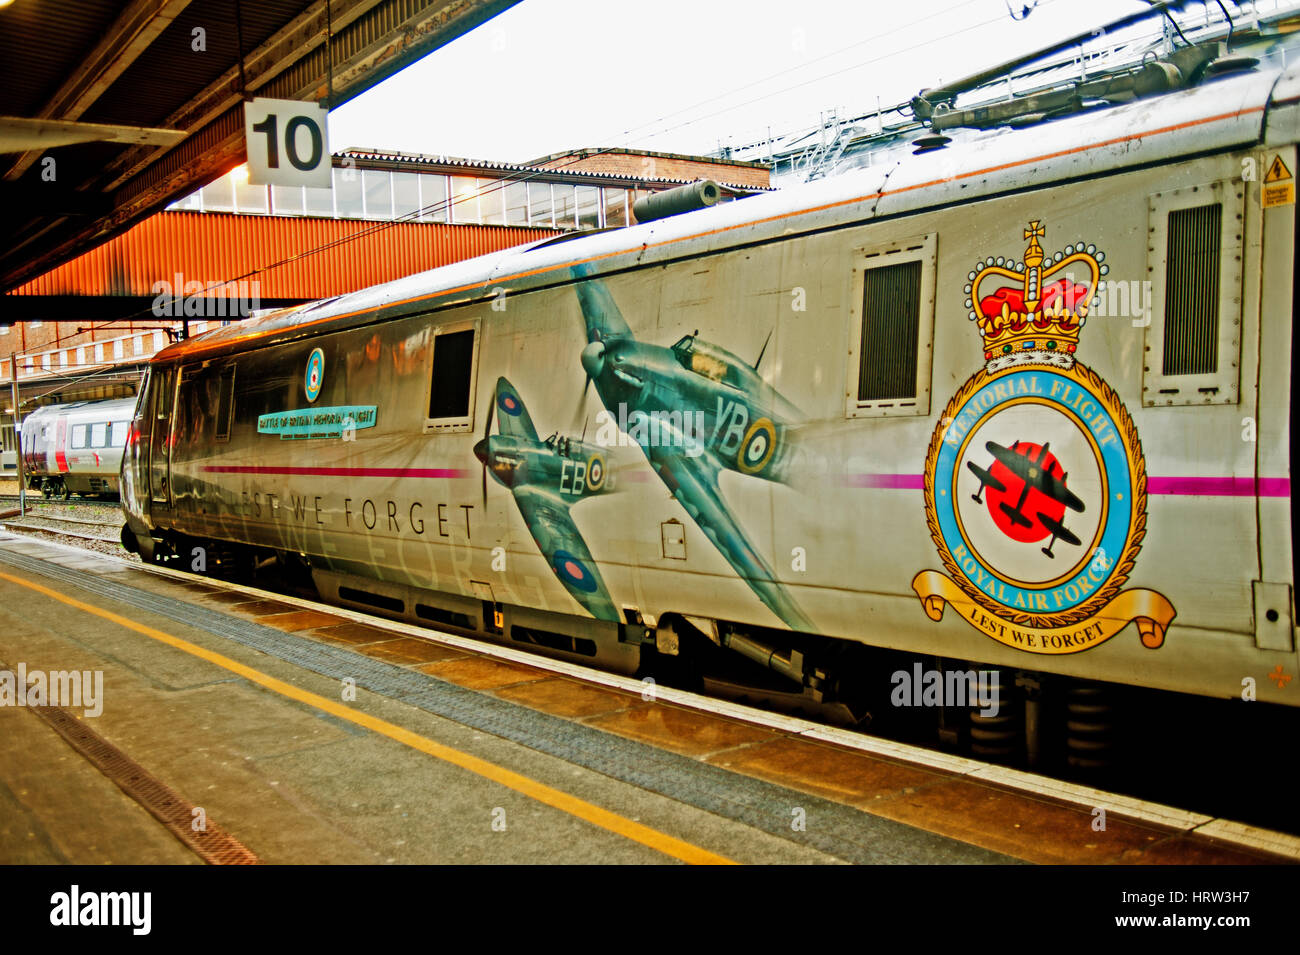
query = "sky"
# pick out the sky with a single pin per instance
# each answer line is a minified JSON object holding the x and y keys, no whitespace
{"x":689,"y":75}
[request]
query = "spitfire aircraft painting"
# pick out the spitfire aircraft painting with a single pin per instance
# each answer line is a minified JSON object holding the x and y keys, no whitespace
{"x":546,"y":478}
{"x":695,"y":409}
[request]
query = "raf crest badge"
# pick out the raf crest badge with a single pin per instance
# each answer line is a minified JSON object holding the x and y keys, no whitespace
{"x":1035,"y":485}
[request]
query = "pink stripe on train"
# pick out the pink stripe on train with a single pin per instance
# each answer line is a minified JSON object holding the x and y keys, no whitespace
{"x":1185,"y":486}
{"x":340,"y":472}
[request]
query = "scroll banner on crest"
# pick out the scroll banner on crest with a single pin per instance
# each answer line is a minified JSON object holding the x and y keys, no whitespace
{"x":1149,"y":610}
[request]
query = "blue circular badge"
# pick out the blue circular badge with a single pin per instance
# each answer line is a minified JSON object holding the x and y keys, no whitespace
{"x":572,"y":570}
{"x":509,"y":404}
{"x":315,"y":376}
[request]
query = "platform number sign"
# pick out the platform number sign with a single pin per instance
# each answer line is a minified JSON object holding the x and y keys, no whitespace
{"x":287,"y":143}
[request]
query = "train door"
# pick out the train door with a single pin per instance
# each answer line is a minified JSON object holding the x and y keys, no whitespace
{"x":164,"y":390}
{"x":61,"y":444}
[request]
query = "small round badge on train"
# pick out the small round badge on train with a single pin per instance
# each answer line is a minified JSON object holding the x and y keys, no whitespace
{"x":315,"y":374}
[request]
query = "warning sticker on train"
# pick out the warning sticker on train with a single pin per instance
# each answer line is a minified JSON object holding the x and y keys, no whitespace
{"x":1279,"y":185}
{"x":1035,"y":484}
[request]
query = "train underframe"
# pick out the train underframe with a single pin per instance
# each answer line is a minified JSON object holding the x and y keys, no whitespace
{"x":1050,"y":723}
{"x":57,"y":487}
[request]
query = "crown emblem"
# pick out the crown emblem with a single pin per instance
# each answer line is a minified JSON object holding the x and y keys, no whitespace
{"x":1036,"y":314}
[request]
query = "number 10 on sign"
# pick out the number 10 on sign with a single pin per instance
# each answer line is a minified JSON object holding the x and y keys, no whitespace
{"x":287,"y":143}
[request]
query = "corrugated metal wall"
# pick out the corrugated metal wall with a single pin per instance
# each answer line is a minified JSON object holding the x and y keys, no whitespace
{"x":317,"y":260}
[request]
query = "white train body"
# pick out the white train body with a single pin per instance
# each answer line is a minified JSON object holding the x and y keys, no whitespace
{"x":1182,"y":578}
{"x":76,"y":448}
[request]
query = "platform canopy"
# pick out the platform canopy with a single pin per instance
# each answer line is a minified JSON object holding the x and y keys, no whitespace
{"x":139,"y":103}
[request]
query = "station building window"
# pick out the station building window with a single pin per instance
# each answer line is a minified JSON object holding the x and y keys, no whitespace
{"x":191,"y":203}
{"x":891,"y":329}
{"x":540,"y":210}
{"x":377,"y":185}
{"x":491,"y":201}
{"x":219,"y":196}
{"x":564,"y":201}
{"x":251,"y":199}
{"x":406,"y":195}
{"x":386,"y":195}
{"x":464,"y":200}
{"x":453,"y":370}
{"x":433,"y":198}
{"x":348,"y":203}
{"x":588,"y":207}
{"x":615,"y":207}
{"x":516,"y":200}
{"x":287,"y":200}
{"x":318,"y":202}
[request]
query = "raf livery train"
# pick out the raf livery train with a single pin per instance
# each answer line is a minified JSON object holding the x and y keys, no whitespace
{"x":1021,"y":402}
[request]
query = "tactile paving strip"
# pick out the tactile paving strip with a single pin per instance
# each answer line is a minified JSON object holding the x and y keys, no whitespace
{"x":841,"y":831}
{"x":213,"y":844}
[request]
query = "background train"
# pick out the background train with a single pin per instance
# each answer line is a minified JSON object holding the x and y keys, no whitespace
{"x":76,"y":448}
{"x":1019,"y":401}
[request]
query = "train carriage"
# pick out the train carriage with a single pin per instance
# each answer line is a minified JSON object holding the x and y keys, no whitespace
{"x":1021,"y":401}
{"x":76,"y":448}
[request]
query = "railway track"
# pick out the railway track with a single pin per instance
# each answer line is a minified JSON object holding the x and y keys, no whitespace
{"x":88,"y":521}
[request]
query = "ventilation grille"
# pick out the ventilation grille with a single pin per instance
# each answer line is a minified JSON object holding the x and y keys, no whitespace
{"x":891,"y":313}
{"x":1191,"y":345}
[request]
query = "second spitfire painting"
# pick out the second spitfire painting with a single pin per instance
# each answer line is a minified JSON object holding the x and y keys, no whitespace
{"x":695,"y":410}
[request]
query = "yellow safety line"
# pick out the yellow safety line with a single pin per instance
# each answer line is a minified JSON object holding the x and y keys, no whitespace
{"x":660,"y":841}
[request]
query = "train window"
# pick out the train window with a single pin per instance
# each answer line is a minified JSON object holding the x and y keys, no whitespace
{"x":1193,"y":322}
{"x":225,"y":403}
{"x":451,"y":378}
{"x":117,"y":436}
{"x":99,"y":434}
{"x":78,"y":436}
{"x":891,"y":330}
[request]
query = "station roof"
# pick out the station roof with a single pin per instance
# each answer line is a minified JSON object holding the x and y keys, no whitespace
{"x":283,"y":257}
{"x":139,"y":103}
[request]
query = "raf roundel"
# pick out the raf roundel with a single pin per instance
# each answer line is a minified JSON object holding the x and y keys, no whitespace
{"x":756,"y":450}
{"x":572,"y":571}
{"x":595,"y":472}
{"x":509,"y":404}
{"x":315,"y":376}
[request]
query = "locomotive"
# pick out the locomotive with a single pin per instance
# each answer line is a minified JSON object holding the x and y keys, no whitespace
{"x":76,"y":448}
{"x":1018,"y":400}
